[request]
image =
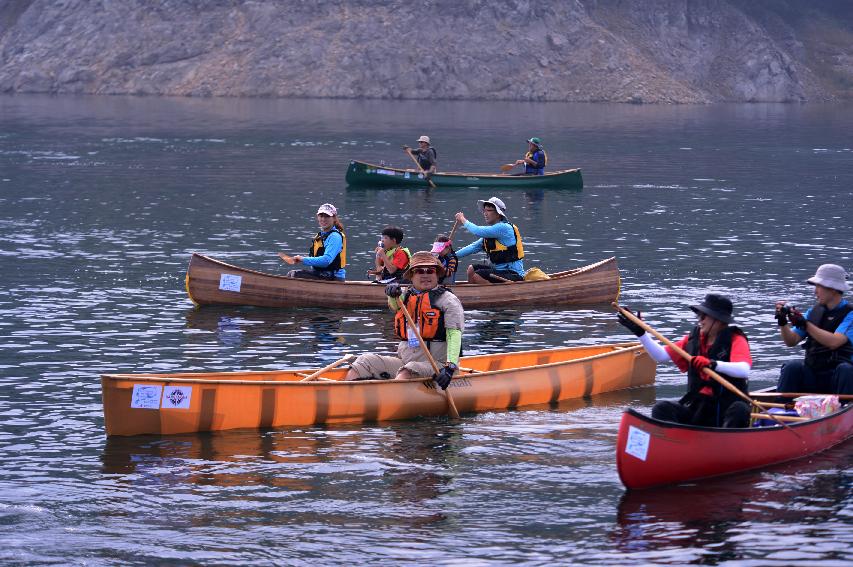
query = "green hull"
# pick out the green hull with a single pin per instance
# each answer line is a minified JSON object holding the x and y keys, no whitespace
{"x":367,"y":174}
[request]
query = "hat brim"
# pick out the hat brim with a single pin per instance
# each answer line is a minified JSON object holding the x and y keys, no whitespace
{"x":837,"y":285}
{"x":439,"y":247}
{"x":718,"y":315}
{"x":439,"y":270}
{"x":499,"y":210}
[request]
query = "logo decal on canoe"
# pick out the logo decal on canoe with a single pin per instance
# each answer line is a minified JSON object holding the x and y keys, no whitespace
{"x":230,"y":282}
{"x":177,"y":397}
{"x":145,"y":396}
{"x":638,"y":443}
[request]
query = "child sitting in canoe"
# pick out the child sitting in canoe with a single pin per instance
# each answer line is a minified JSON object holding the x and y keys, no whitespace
{"x":442,"y":249}
{"x":392,"y":260}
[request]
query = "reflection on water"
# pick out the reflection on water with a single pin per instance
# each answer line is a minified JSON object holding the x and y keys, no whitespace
{"x":105,"y":198}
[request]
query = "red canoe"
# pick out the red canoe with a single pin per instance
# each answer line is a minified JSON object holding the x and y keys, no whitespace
{"x":651,"y":453}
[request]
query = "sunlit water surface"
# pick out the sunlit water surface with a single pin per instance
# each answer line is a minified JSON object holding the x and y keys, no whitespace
{"x":102,"y":200}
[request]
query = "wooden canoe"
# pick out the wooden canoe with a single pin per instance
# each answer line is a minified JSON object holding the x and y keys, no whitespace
{"x":211,"y":282}
{"x":368,"y":174}
{"x":137,"y":404}
{"x":650,"y":452}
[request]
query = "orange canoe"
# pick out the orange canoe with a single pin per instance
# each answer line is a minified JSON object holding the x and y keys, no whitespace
{"x":137,"y":404}
{"x":211,"y":282}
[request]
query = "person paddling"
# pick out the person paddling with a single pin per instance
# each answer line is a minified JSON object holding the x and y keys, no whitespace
{"x":425,"y":155}
{"x":500,"y":239}
{"x":535,"y":160}
{"x":439,"y":317}
{"x":713,"y":343}
{"x":327,"y":256}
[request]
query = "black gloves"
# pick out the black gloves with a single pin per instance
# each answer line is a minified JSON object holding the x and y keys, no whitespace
{"x":630,"y":325}
{"x":444,"y":376}
{"x":781,"y":316}
{"x":393,"y":290}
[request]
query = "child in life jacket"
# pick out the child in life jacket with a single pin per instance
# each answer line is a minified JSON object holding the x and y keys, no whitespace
{"x":442,"y":249}
{"x":392,"y":260}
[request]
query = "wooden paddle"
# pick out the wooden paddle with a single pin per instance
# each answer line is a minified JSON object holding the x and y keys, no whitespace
{"x":417,"y":163}
{"x":722,"y":381}
{"x":335,"y":364}
{"x":451,"y":406}
{"x":777,"y":417}
{"x":507,"y":166}
{"x":453,"y":230}
{"x":286,"y":258}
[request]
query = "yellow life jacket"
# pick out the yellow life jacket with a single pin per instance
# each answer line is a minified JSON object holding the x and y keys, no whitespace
{"x":500,"y":254}
{"x":318,"y":248}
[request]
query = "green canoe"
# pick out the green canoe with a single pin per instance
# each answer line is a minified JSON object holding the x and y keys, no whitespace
{"x":368,"y":174}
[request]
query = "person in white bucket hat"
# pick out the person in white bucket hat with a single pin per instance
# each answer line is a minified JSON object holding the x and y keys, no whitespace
{"x":500,"y":239}
{"x":425,"y":155}
{"x":827,"y":329}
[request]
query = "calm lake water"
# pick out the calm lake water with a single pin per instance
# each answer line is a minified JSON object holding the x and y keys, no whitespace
{"x":102,"y":200}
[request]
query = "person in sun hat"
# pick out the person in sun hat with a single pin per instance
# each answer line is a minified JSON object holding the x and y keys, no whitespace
{"x":440,"y":319}
{"x":426,"y":155}
{"x":500,"y":239}
{"x":327,"y":256}
{"x":715,"y":343}
{"x":827,"y":329}
{"x":442,"y":249}
{"x":535,"y":160}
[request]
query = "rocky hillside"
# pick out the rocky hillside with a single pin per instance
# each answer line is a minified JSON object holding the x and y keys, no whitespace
{"x":653,"y":51}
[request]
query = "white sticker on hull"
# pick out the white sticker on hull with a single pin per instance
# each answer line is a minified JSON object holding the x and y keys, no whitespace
{"x":638,"y":443}
{"x":145,"y":396}
{"x":177,"y":397}
{"x":230,"y":282}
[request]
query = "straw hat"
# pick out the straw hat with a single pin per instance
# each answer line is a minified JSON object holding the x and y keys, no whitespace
{"x":421,"y":259}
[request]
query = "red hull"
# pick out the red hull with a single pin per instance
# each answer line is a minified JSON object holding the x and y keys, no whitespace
{"x":653,"y":453}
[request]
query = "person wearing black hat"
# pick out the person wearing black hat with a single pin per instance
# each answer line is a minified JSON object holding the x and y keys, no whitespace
{"x":716,"y":344}
{"x":827,"y":329}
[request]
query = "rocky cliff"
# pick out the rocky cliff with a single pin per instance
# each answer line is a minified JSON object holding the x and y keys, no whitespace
{"x":657,"y":51}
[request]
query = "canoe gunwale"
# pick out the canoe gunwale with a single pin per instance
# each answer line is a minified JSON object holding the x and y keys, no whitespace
{"x":465,"y":174}
{"x":735,"y":430}
{"x":552,"y":277}
{"x":616,"y":347}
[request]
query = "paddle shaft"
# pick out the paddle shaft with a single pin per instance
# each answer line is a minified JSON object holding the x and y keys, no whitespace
{"x":777,"y":417}
{"x":413,"y":328}
{"x":335,"y":364}
{"x":722,"y":381}
{"x":417,"y":163}
{"x":453,"y":230}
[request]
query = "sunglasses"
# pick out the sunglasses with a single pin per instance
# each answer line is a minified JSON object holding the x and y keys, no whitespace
{"x":424,"y":271}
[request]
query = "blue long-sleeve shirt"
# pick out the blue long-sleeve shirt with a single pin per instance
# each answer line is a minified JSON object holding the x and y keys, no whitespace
{"x":332,"y":247}
{"x":504,"y":234}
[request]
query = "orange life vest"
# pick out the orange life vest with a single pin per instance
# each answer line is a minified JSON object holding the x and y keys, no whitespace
{"x":429,"y":319}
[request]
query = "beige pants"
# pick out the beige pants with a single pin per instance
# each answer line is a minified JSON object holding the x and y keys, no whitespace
{"x":378,"y":367}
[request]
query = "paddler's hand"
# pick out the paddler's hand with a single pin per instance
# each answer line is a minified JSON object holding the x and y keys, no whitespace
{"x":298,"y":258}
{"x":700,"y":362}
{"x":460,"y":218}
{"x":393,"y":290}
{"x":406,"y":148}
{"x":519,"y":161}
{"x":630,"y":325}
{"x":445,"y":375}
{"x":797,"y":318}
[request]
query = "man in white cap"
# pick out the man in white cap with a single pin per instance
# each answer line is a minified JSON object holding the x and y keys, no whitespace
{"x":426,"y":156}
{"x":500,"y":239}
{"x":827,"y":328}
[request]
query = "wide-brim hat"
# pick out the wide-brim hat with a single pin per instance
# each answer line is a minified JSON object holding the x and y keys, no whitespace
{"x":496,"y":203}
{"x":421,"y":259}
{"x":717,"y":306}
{"x":832,"y":276}
{"x":424,"y":139}
{"x":327,"y":209}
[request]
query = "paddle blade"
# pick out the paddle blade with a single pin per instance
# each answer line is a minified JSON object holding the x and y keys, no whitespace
{"x":507,"y":167}
{"x":286,"y":258}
